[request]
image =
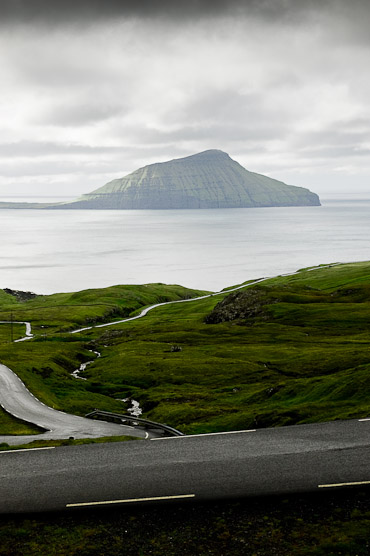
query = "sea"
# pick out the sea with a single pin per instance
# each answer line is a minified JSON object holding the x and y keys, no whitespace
{"x":48,"y":251}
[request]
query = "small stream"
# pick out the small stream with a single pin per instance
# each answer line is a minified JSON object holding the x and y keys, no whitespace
{"x":135,"y":409}
{"x":83,"y":366}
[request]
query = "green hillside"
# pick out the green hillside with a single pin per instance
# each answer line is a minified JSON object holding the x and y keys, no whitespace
{"x":289,"y":350}
{"x":210,"y":179}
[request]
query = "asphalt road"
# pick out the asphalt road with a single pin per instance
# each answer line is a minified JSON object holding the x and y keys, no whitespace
{"x":266,"y":461}
{"x":18,"y":401}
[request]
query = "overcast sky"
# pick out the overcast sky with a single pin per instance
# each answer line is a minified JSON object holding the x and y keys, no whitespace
{"x":94,"y":89}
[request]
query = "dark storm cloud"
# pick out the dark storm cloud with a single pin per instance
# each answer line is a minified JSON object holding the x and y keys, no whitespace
{"x":76,"y":10}
{"x":72,"y":10}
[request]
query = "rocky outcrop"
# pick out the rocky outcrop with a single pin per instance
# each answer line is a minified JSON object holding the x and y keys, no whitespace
{"x":239,"y":306}
{"x":20,"y":295}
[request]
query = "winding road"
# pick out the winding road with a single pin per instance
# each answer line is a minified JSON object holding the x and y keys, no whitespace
{"x":19,"y":402}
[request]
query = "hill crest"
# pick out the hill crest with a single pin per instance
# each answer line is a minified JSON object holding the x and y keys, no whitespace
{"x":209,"y":179}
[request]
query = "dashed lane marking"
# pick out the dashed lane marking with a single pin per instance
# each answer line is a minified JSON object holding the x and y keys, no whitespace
{"x":198,"y":435}
{"x":154,"y":498}
{"x":358,"y":483}
{"x":15,"y":451}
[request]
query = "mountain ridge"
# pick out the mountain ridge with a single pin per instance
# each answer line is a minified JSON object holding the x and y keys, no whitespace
{"x":210,"y":179}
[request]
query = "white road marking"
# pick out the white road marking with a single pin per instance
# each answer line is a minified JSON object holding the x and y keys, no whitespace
{"x":177,"y":497}
{"x":205,"y":434}
{"x":361,"y":420}
{"x":26,"y":450}
{"x":345,"y":484}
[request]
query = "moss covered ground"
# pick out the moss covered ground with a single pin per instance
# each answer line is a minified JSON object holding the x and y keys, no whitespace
{"x":11,"y":425}
{"x":37,"y":443}
{"x":313,"y":525}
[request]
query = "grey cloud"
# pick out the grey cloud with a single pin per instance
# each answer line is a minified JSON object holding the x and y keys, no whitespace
{"x":330,"y":136}
{"x":47,"y":11}
{"x":44,"y":167}
{"x":35,"y":149}
{"x":55,"y":159}
{"x":216,"y":132}
{"x":66,"y":115}
{"x":250,"y":110}
{"x":223,"y":116}
{"x":34,"y":11}
{"x":211,"y":135}
{"x":51,"y":63}
{"x":356,"y":125}
{"x":220,"y":104}
{"x":342,"y":139}
{"x":335,"y":151}
{"x":24,"y":149}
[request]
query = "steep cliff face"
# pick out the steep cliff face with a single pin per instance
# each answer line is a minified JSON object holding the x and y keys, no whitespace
{"x":210,"y":179}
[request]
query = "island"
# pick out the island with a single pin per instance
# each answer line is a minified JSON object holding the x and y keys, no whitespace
{"x":207,"y":180}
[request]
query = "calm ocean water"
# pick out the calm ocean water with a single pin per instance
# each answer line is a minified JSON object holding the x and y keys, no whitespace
{"x":54,"y":251}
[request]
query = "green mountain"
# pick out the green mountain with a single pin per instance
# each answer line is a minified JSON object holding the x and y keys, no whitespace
{"x":210,"y":179}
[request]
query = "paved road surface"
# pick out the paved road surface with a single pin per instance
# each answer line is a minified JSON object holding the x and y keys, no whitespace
{"x":282,"y":460}
{"x":17,"y":400}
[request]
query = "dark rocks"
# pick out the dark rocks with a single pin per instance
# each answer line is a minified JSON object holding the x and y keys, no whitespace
{"x":20,"y":295}
{"x":239,"y":306}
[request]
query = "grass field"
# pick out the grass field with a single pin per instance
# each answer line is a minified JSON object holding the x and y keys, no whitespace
{"x":10,"y":425}
{"x":288,"y":350}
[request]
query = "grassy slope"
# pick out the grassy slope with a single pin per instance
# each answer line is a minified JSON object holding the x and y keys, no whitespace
{"x":65,"y":311}
{"x":302,"y":357}
{"x":46,"y":363}
{"x":15,"y":426}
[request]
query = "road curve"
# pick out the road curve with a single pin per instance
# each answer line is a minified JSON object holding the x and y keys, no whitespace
{"x":222,"y":292}
{"x":18,"y":401}
{"x":227,"y":465}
